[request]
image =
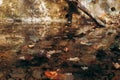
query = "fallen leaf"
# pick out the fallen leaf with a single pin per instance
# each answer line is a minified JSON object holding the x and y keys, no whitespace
{"x":116,"y":65}
{"x":51,"y":74}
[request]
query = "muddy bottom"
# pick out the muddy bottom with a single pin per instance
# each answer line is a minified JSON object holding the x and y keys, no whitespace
{"x":59,"y":52}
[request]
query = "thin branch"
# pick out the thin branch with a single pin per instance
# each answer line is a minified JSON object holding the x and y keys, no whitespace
{"x":87,"y":12}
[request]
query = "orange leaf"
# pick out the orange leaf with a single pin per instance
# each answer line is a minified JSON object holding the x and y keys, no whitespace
{"x":51,"y":74}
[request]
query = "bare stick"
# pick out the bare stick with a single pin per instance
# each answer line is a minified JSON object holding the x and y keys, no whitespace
{"x":87,"y":12}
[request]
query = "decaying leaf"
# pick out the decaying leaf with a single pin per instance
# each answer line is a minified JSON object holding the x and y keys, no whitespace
{"x":51,"y":74}
{"x":116,"y":65}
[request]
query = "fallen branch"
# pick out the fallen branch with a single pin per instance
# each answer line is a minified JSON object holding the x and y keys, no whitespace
{"x":87,"y":12}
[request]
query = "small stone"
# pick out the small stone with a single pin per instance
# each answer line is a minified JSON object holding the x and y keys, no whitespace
{"x":22,"y":58}
{"x":50,"y":53}
{"x":34,"y":38}
{"x":63,"y":43}
{"x":26,"y":57}
{"x":116,"y":65}
{"x":31,"y":45}
{"x":66,"y":49}
{"x":75,"y":59}
{"x":37,"y":74}
{"x":41,"y":53}
{"x":88,"y":59}
{"x":10,"y":79}
{"x":84,"y":67}
{"x":17,"y":75}
{"x":69,"y":76}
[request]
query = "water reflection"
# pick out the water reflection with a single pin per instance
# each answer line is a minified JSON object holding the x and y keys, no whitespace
{"x":12,"y":35}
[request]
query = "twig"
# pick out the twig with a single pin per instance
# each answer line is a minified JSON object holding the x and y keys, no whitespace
{"x":87,"y":12}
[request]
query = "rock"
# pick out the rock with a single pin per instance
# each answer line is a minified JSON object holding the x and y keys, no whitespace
{"x":18,"y":73}
{"x":34,"y":38}
{"x":84,"y":67}
{"x":33,"y":51}
{"x":66,"y":49}
{"x":30,"y":78}
{"x":22,"y":57}
{"x":83,"y":41}
{"x":10,"y":79}
{"x":26,"y":57}
{"x":116,"y":65}
{"x":46,"y":44}
{"x":50,"y":53}
{"x":88,"y":59}
{"x":68,"y":76}
{"x":75,"y":59}
{"x":63,"y":43}
{"x":31,"y":45}
{"x":37,"y":74}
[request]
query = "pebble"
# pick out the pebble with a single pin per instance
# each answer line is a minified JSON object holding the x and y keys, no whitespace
{"x":88,"y":59}
{"x":69,"y":76}
{"x":37,"y":74}
{"x":22,"y":58}
{"x":10,"y":79}
{"x":34,"y":38}
{"x":116,"y":65}
{"x":74,"y":59}
{"x":84,"y":67}
{"x":31,"y":45}
{"x":17,"y":75}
